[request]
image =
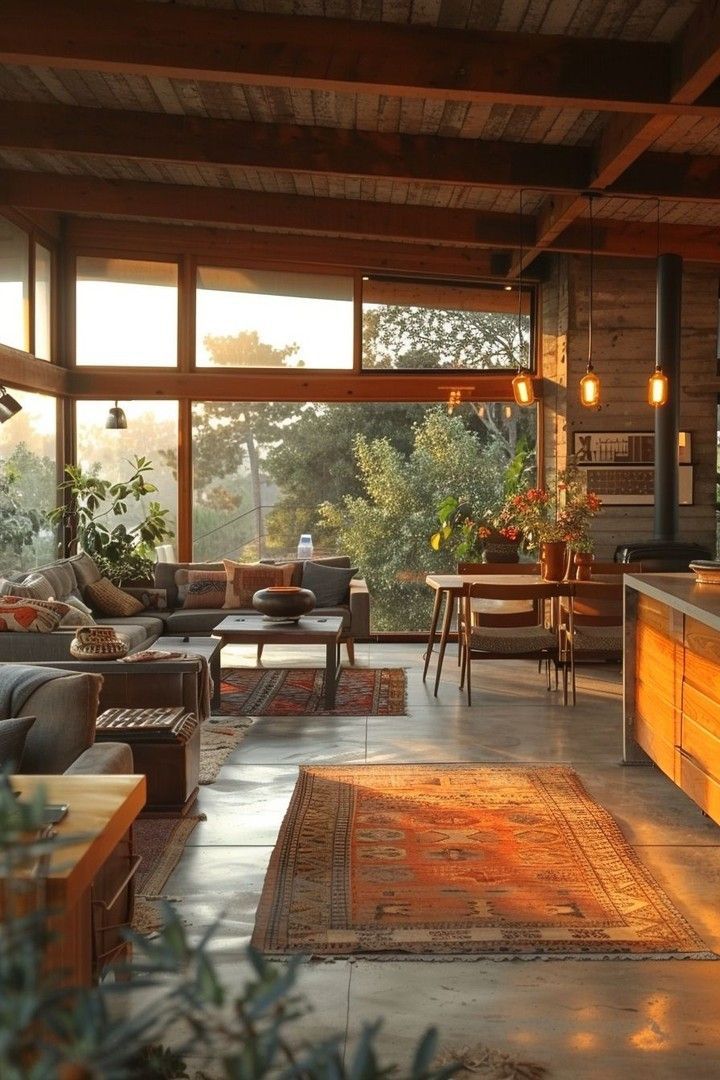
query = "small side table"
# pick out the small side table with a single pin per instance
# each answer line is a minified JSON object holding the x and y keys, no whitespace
{"x":166,"y":748}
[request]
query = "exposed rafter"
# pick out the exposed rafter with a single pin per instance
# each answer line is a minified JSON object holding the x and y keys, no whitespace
{"x":348,"y":55}
{"x":695,"y":62}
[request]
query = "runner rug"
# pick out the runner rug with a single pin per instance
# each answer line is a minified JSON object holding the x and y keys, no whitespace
{"x":494,"y":860}
{"x":300,"y":692}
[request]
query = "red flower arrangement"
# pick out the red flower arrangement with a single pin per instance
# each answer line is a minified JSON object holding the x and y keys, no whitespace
{"x":544,"y":516}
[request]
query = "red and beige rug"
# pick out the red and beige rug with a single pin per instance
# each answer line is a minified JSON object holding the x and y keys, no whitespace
{"x":300,"y":692}
{"x":494,"y":860}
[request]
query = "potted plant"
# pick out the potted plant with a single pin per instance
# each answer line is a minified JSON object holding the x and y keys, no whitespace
{"x":472,"y":540}
{"x":123,"y":554}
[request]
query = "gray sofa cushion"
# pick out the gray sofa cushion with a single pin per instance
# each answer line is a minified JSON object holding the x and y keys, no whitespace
{"x":65,"y":711}
{"x":61,"y":577}
{"x":330,"y":584}
{"x":138,"y":630}
{"x":84,"y":568}
{"x":13,"y":733}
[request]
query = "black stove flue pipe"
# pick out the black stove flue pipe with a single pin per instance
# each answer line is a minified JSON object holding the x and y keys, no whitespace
{"x":667,"y":417}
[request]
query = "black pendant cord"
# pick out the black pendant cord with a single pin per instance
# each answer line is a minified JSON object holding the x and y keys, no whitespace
{"x":520,"y":365}
{"x":592,"y":285}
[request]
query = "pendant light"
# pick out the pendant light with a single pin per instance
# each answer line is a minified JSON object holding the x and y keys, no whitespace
{"x":590,"y":383}
{"x":522,"y":384}
{"x":116,"y":419}
{"x":658,"y":381}
{"x":9,"y":406}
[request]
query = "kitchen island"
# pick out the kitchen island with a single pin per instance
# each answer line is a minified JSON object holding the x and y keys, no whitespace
{"x":671,"y":708}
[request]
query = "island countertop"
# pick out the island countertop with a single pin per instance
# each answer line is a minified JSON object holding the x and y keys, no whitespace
{"x":681,"y":592}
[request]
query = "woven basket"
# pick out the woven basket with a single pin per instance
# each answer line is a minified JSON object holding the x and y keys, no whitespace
{"x":97,"y":643}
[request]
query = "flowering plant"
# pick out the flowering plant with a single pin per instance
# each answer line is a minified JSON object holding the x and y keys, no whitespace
{"x":467,"y":535}
{"x":544,"y":516}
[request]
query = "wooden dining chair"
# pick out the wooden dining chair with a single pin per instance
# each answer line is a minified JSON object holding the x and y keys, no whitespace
{"x":591,"y":627}
{"x":605,"y":568}
{"x":484,"y":639}
{"x":499,"y":612}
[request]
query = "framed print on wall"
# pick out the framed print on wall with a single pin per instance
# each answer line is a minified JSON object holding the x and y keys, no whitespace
{"x":634,"y":485}
{"x":624,"y":448}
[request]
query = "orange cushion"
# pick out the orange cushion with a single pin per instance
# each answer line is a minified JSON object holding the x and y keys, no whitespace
{"x":108,"y":599}
{"x":23,"y":615}
{"x":244,"y":579}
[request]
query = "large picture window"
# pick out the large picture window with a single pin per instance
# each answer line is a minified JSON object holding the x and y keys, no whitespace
{"x":126,"y":312}
{"x":14,"y":286}
{"x":364,"y":479}
{"x":27,"y":483}
{"x":263,"y":318}
{"x":429,"y":325}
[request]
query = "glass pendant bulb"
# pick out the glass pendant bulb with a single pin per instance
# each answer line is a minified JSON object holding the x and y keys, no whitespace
{"x":590,"y":388}
{"x":523,"y":389}
{"x":657,"y":388}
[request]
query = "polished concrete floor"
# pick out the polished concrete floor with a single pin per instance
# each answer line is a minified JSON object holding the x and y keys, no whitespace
{"x":578,"y":1018}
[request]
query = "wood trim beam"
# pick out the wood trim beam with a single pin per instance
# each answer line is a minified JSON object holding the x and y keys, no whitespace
{"x":695,"y":62}
{"x":638,"y":239}
{"x":209,"y":384}
{"x":344,"y":55}
{"x":25,"y":372}
{"x":292,"y":148}
{"x":258,"y":210}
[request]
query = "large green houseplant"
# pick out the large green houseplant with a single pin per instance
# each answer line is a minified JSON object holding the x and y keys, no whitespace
{"x":122,"y":553}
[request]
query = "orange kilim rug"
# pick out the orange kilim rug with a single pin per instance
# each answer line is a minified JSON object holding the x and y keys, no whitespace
{"x":485,"y":860}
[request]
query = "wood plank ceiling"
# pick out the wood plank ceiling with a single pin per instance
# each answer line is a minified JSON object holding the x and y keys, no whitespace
{"x":408,"y":121}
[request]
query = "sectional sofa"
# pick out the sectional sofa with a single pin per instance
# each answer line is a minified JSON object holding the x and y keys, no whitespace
{"x":71,"y":580}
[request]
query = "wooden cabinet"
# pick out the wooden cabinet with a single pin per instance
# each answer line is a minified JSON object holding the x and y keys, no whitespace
{"x":101,"y":811}
{"x":659,"y":657}
{"x":676,"y":697}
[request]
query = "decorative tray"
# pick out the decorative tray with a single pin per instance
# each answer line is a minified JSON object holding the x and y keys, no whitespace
{"x":706,"y":573}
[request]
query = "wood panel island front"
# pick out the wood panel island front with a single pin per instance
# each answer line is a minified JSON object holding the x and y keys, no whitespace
{"x":671,"y":706}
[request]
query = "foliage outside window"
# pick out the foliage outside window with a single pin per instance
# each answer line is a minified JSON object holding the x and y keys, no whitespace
{"x":27,"y":484}
{"x":265,"y":318}
{"x":126,"y":312}
{"x":427,"y":326}
{"x":14,"y":286}
{"x":152,"y":432}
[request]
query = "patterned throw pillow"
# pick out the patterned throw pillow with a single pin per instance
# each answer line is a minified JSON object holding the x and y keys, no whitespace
{"x":34,"y":586}
{"x":244,"y":579}
{"x":108,"y":599}
{"x":20,"y":614}
{"x":152,"y":599}
{"x":205,"y":589}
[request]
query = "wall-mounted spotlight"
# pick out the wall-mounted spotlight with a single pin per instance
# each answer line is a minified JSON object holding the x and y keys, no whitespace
{"x":8,"y":405}
{"x":116,"y":419}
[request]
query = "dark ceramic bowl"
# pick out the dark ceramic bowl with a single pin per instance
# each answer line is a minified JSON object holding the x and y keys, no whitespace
{"x":283,"y":602}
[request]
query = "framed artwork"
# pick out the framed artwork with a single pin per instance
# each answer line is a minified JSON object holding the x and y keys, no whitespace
{"x":624,"y":448}
{"x":634,"y":485}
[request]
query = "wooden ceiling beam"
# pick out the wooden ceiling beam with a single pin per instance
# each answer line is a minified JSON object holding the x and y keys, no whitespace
{"x":695,"y":63}
{"x":19,"y":370}
{"x":192,"y":140}
{"x":343,"y":55}
{"x":638,"y":239}
{"x":258,"y":210}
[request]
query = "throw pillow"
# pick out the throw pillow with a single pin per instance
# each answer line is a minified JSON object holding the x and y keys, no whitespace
{"x":13,"y":733}
{"x":77,"y":602}
{"x":74,"y":618}
{"x":205,"y":589}
{"x":61,"y":577}
{"x":331,"y":584}
{"x":108,"y":599}
{"x":152,"y":599}
{"x":244,"y":579}
{"x":21,"y":614}
{"x":85,"y":569}
{"x":34,"y":586}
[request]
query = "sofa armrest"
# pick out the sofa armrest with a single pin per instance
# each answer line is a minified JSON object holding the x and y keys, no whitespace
{"x":103,"y":759}
{"x":359,"y":628}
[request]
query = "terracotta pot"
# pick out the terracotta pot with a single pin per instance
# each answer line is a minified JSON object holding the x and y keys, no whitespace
{"x":553,"y":559}
{"x":583,"y":565}
{"x":283,"y":602}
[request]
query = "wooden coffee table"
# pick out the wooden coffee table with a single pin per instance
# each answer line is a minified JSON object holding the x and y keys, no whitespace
{"x":309,"y":630}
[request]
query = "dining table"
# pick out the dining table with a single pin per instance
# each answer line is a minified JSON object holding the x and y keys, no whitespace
{"x":449,"y":587}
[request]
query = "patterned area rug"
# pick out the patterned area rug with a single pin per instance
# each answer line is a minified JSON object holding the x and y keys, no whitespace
{"x":494,"y":860}
{"x":300,"y":692}
{"x":160,"y":842}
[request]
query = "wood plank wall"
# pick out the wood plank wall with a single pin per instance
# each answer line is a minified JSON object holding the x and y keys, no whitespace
{"x":624,"y":356}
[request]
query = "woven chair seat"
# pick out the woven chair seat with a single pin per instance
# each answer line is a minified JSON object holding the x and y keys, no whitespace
{"x":598,"y":639}
{"x":514,"y":639}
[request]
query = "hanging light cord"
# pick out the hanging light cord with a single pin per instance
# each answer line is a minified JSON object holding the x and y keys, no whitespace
{"x":592,"y":284}
{"x":520,"y":280}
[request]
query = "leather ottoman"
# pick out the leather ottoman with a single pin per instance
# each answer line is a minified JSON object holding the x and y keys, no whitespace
{"x":166,"y":748}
